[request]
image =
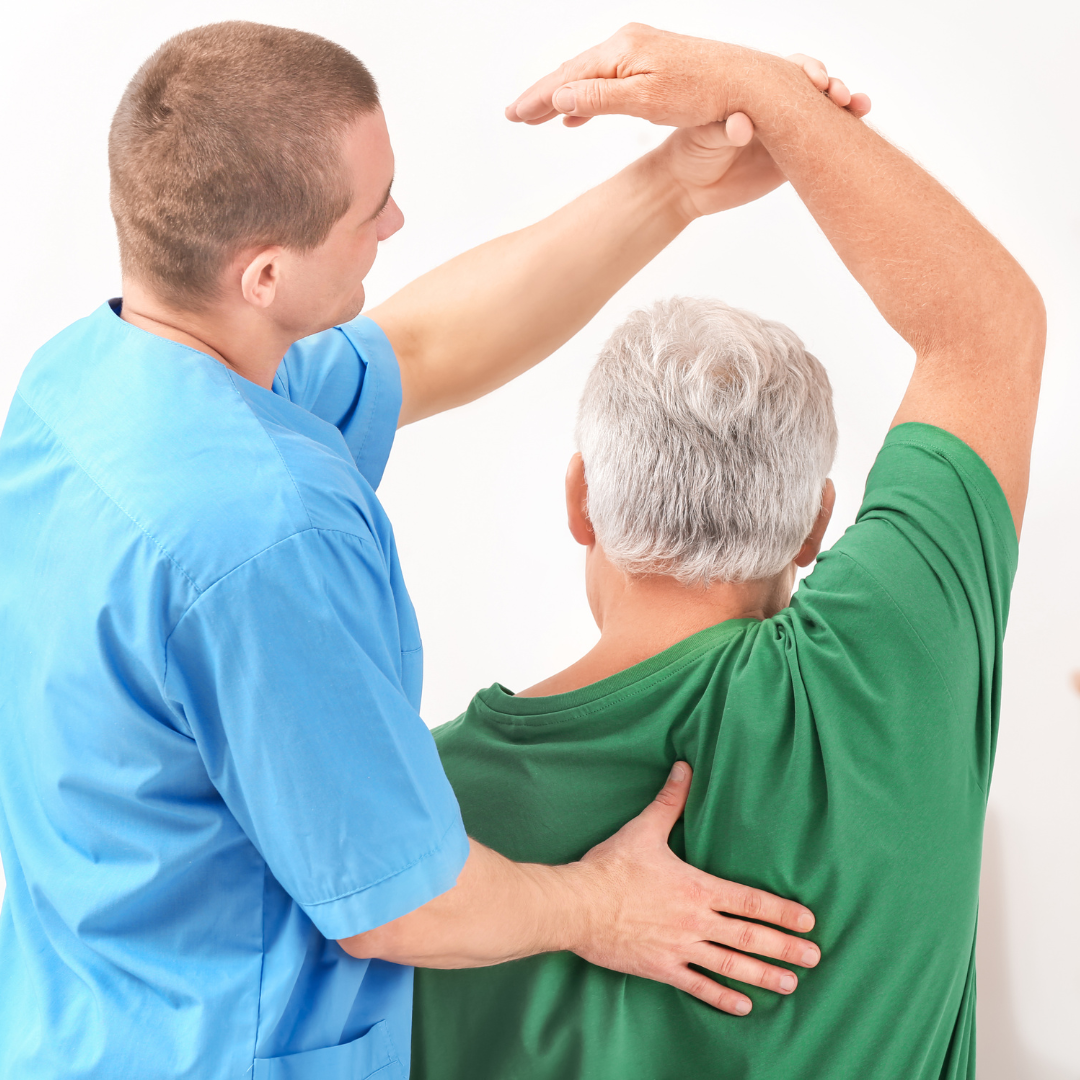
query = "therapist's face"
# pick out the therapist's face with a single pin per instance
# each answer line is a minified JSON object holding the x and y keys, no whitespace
{"x":324,"y":287}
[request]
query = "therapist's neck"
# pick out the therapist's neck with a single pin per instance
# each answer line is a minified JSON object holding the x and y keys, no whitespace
{"x":231,"y":333}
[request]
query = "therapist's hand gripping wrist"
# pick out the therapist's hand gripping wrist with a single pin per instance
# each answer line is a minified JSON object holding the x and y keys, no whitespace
{"x":721,"y":165}
{"x":629,"y":904}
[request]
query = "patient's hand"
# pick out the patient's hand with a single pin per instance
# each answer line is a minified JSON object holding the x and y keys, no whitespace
{"x":654,"y":915}
{"x":719,"y":165}
{"x":664,"y":78}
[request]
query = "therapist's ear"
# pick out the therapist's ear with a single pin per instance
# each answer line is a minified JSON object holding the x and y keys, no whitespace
{"x":812,"y":544}
{"x":577,"y":502}
{"x":259,"y":279}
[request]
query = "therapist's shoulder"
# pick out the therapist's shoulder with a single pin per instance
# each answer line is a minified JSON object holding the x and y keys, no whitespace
{"x":267,"y":471}
{"x":210,"y":468}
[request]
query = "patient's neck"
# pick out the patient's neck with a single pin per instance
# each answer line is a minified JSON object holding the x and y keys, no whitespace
{"x":641,"y":616}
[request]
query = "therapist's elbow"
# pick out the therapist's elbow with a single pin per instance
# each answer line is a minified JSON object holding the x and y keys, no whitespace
{"x":370,"y":945}
{"x":387,"y":942}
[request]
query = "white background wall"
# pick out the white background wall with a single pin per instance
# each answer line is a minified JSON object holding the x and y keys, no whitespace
{"x":982,"y":93}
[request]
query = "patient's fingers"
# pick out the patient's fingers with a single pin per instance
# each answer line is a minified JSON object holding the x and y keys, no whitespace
{"x":736,"y":899}
{"x":744,"y":969}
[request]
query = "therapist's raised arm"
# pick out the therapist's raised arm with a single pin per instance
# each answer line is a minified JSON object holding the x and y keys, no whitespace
{"x":630,"y":904}
{"x":479,"y":320}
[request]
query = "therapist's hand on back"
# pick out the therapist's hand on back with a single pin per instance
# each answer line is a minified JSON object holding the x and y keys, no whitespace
{"x":630,"y":904}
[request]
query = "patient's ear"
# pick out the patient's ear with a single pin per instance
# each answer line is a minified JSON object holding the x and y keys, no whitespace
{"x":577,"y":501}
{"x":812,"y":544}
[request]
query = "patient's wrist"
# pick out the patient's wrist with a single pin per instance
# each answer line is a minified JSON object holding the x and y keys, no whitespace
{"x":770,"y":91}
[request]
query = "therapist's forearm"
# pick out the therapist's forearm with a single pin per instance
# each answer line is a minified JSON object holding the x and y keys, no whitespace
{"x":629,"y":904}
{"x":479,"y":320}
{"x":499,"y":910}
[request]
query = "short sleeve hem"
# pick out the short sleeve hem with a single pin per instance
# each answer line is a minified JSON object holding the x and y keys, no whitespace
{"x":380,"y":402}
{"x":374,"y":905}
{"x":977,"y":474}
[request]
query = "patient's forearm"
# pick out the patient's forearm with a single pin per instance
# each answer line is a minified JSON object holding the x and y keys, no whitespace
{"x":498,"y":911}
{"x":482,"y":318}
{"x":938,"y":276}
{"x":941,"y":279}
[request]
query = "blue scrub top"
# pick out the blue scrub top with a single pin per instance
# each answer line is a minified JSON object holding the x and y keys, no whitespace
{"x":211,"y":760}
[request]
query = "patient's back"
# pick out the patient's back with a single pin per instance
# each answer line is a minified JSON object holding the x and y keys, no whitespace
{"x":842,"y":751}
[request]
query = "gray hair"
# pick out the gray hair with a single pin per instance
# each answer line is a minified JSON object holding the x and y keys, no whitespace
{"x":707,"y":434}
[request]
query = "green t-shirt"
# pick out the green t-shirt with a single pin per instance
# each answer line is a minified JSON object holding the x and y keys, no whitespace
{"x":842,"y":753}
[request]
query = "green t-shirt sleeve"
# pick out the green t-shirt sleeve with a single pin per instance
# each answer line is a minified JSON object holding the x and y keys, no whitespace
{"x":916,"y":592}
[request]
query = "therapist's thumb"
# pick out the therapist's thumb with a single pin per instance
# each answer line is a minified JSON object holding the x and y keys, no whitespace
{"x":659,"y":817}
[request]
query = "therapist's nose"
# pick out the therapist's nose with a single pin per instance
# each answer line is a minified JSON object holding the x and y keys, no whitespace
{"x":391,"y":220}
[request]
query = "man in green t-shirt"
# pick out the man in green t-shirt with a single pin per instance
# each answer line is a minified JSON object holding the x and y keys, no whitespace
{"x":841,"y":738}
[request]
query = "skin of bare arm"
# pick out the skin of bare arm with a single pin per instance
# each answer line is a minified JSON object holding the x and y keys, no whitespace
{"x":629,"y":904}
{"x":950,"y":289}
{"x":483,"y":318}
{"x":942,"y":281}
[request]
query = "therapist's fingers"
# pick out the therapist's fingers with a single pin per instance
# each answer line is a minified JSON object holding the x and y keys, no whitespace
{"x":652,"y":827}
{"x":649,"y":913}
{"x":742,"y":900}
{"x":859,"y":105}
{"x":656,"y":821}
{"x":708,"y":990}
{"x":745,"y":969}
{"x":752,"y":937}
{"x":856,"y":104}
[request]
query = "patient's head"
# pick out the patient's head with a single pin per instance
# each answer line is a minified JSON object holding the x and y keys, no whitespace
{"x":706,"y":436}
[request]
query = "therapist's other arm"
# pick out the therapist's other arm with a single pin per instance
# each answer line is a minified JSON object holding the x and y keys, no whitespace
{"x":483,"y":318}
{"x":630,"y":904}
{"x":973,"y":317}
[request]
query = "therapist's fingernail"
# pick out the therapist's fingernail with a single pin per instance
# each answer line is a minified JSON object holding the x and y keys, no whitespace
{"x":742,"y":1007}
{"x":810,"y":957}
{"x":678,"y":772}
{"x":805,"y":922}
{"x":788,"y":983}
{"x":564,"y":100}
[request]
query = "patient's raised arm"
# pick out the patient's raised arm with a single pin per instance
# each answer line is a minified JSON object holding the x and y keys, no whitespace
{"x":973,"y":317}
{"x":630,"y":904}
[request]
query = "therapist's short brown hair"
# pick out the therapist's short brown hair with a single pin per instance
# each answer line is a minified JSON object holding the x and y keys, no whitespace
{"x":230,"y":136}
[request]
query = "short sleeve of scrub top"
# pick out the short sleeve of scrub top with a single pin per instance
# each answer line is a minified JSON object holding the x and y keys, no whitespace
{"x":349,"y":377}
{"x":294,"y":698}
{"x":294,"y":674}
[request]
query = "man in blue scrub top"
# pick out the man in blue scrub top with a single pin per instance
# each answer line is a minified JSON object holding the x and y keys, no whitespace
{"x":225,"y":828}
